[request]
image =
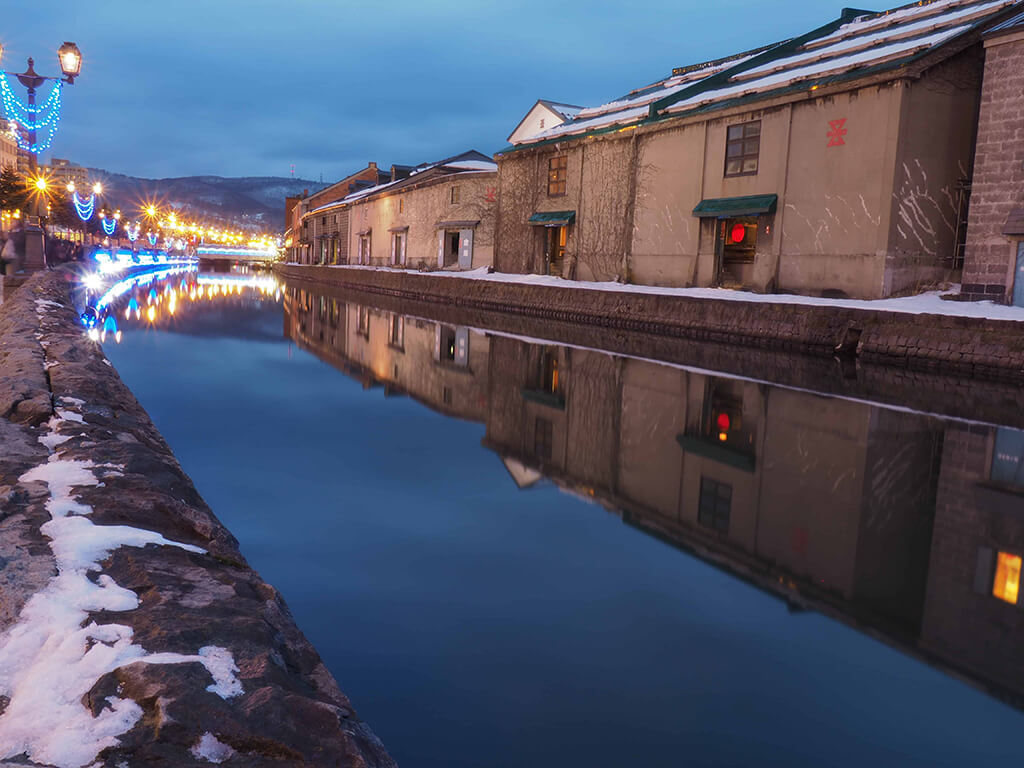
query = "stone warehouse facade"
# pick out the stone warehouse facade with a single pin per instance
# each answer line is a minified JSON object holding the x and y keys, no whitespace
{"x":315,"y":240}
{"x":994,"y":267}
{"x":437,"y":215}
{"x":834,"y":164}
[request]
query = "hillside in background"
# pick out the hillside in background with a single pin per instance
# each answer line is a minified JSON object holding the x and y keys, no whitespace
{"x":253,"y":202}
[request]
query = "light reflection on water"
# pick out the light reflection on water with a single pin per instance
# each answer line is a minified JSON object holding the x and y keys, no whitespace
{"x":836,"y":571}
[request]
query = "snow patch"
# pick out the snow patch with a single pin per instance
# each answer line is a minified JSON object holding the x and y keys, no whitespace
{"x":212,"y":750}
{"x":43,"y":304}
{"x":55,"y":654}
{"x":67,"y":415}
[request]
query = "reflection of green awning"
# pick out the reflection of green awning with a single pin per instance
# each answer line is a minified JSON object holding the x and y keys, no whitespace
{"x":727,"y":207}
{"x":709,"y":449}
{"x":553,"y":218}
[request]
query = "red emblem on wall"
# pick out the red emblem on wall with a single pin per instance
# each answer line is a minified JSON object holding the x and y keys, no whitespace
{"x":491,"y":195}
{"x":838,"y":130}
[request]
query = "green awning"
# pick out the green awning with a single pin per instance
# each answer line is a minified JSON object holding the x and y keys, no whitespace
{"x":553,"y":218}
{"x":727,"y":207}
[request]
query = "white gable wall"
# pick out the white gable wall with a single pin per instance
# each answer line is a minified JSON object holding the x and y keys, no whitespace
{"x":538,"y":119}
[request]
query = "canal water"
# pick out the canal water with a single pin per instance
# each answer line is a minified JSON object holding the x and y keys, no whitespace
{"x":511,"y":552}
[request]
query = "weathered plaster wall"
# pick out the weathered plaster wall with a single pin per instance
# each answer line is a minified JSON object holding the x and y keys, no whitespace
{"x":833,"y":214}
{"x":935,"y":153}
{"x":666,"y":235}
{"x":424,"y":206}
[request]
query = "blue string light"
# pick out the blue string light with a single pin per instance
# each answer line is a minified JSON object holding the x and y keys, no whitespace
{"x":25,"y":114}
{"x":84,"y":209}
{"x":41,"y":117}
{"x":152,"y":238}
{"x":133,"y":234}
{"x":110,"y":226}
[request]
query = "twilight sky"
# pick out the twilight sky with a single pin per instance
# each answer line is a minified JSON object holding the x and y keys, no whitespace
{"x":236,"y":88}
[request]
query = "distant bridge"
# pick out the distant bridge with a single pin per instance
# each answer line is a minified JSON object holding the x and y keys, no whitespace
{"x":236,"y":253}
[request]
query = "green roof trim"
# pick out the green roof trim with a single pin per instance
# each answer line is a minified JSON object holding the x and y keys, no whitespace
{"x":727,"y":207}
{"x":553,"y":218}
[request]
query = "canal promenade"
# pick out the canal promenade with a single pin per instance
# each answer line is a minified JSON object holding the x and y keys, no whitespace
{"x":922,"y":333}
{"x":133,"y":630}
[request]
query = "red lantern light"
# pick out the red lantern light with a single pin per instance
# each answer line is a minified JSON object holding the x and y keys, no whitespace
{"x":723,"y":421}
{"x":738,"y":233}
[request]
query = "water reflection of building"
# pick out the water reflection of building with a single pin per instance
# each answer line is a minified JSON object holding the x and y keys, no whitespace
{"x":896,"y":523}
{"x":973,"y":609}
{"x":902,"y":525}
{"x":442,"y":366}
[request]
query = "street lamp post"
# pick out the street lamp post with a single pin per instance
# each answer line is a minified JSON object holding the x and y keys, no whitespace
{"x":70,"y":59}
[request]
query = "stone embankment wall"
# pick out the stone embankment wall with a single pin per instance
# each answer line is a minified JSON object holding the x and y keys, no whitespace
{"x":132,"y":631}
{"x":972,"y":347}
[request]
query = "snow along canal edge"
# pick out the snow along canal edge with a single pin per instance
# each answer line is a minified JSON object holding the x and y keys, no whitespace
{"x":131,"y":628}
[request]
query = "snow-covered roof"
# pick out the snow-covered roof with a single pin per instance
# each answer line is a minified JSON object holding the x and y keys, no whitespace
{"x":567,"y":111}
{"x":856,"y":44}
{"x":636,"y":104}
{"x":1015,"y":24}
{"x":467,"y":162}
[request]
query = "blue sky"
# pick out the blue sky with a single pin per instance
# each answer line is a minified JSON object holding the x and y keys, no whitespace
{"x":248,"y":88}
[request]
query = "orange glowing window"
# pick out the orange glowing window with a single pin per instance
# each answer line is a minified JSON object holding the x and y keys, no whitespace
{"x":1007,"y":582}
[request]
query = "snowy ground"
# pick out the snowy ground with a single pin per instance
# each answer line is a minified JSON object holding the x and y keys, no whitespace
{"x":930,"y":303}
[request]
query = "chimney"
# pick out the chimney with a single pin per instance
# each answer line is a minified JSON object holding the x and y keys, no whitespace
{"x":305,"y":193}
{"x":373,"y":166}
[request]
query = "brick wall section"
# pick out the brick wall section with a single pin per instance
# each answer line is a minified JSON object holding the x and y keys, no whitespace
{"x":998,"y":184}
{"x":988,"y":349}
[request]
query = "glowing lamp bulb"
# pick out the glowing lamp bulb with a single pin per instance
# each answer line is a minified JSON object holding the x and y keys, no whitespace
{"x":722,"y":437}
{"x":71,"y":186}
{"x":97,"y":188}
{"x":738,"y":233}
{"x":41,"y":184}
{"x":70,"y":59}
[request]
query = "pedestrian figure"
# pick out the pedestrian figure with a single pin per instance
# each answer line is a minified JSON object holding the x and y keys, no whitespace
{"x":13,"y":254}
